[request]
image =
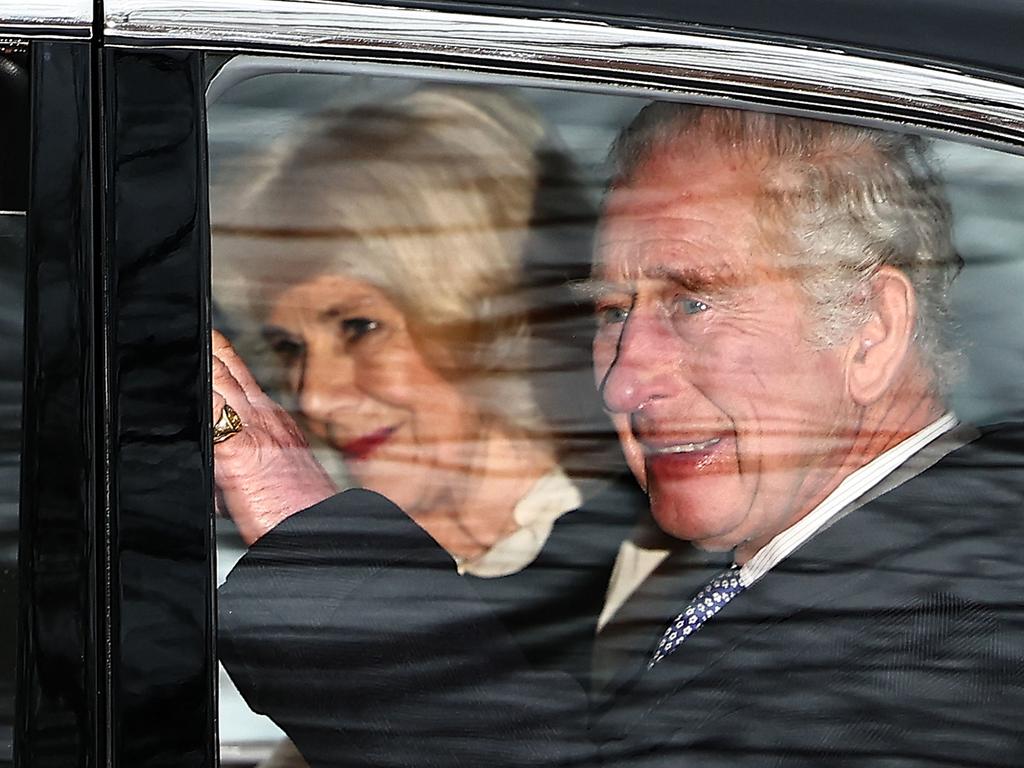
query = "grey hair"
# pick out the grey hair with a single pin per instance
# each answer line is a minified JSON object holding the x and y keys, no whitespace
{"x":432,"y":197}
{"x":840,"y":201}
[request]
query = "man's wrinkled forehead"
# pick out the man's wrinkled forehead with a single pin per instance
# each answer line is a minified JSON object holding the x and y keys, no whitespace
{"x":663,"y":229}
{"x":631,"y":249}
{"x":689,"y":211}
{"x":686,"y":234}
{"x":713,"y":265}
{"x":714,"y":256}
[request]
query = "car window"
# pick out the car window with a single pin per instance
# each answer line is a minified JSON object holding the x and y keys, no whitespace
{"x":514,"y":309}
{"x":543,"y":383}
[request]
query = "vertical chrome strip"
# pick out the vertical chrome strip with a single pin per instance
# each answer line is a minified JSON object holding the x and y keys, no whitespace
{"x":597,"y":53}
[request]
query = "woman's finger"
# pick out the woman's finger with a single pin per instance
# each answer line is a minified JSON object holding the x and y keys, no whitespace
{"x":218,"y":404}
{"x":226,"y":386}
{"x":226,"y":353}
{"x":227,"y":391}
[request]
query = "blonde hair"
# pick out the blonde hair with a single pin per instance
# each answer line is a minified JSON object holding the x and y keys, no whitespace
{"x":431,"y":197}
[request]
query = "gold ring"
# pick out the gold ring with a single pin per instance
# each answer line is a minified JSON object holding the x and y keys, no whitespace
{"x":228,"y":425}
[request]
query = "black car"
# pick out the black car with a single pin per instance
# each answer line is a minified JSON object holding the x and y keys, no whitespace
{"x":122,"y":119}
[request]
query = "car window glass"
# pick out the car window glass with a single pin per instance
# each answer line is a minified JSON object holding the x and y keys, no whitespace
{"x":472,"y":297}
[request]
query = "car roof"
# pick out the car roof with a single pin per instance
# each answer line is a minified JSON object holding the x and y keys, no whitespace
{"x":986,"y":34}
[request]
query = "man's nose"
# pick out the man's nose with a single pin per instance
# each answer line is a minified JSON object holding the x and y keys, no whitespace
{"x":642,"y":369}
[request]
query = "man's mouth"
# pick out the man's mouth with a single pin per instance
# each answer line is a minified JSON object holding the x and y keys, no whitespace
{"x":669,"y":449}
{"x":361,"y":447}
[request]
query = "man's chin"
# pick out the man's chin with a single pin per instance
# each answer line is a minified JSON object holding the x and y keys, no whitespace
{"x":696,"y":526}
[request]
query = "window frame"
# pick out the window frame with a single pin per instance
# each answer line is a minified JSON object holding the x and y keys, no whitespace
{"x":716,"y":66}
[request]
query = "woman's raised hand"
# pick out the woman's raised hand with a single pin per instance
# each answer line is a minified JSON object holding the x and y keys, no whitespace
{"x":266,"y":470}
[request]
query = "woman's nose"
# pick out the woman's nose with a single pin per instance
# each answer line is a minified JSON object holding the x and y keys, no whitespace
{"x":326,"y":383}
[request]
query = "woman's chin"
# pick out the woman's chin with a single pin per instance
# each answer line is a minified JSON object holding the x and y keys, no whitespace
{"x":400,"y":491}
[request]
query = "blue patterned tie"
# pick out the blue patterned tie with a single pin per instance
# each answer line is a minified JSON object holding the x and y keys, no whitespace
{"x":709,"y":601}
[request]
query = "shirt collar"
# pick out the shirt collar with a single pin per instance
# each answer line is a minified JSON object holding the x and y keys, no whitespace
{"x":853,"y":487}
{"x":535,"y":514}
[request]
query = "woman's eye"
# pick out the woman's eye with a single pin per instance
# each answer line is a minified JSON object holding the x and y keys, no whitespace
{"x":355,"y":328}
{"x":287,"y":349}
{"x":692,"y":306}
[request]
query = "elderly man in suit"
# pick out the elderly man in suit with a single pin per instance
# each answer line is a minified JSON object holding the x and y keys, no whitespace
{"x":772,"y":298}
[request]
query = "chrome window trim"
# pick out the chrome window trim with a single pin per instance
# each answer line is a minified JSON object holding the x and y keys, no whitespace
{"x":752,"y":71}
{"x":47,"y":18}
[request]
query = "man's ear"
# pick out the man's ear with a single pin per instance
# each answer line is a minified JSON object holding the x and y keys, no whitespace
{"x":879,"y":348}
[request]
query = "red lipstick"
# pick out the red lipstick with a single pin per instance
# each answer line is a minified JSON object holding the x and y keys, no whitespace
{"x":360,"y":448}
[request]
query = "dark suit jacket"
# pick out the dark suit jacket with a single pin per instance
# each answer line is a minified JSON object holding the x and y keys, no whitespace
{"x":893,"y":638}
{"x":551,"y":606}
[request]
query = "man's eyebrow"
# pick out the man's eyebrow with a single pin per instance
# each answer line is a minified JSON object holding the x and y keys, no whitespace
{"x":697,"y":280}
{"x":700,"y":280}
{"x":591,"y":289}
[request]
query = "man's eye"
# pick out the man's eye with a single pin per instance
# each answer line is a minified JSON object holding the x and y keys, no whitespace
{"x":612,"y":315}
{"x":692,"y":306}
{"x":356,"y":328}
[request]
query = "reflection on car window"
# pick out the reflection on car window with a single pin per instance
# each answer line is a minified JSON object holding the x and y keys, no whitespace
{"x":535,"y":408}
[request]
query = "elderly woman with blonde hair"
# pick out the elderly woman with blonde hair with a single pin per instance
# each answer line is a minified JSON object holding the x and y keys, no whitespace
{"x":407,"y":265}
